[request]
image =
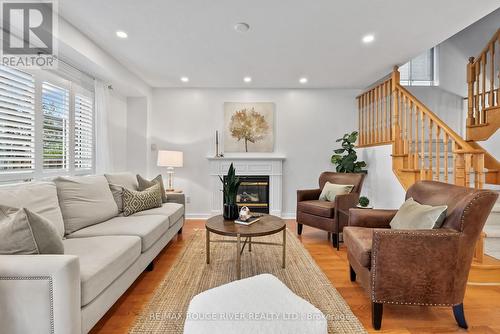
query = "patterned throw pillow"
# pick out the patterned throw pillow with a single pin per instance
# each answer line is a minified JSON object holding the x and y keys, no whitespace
{"x":145,"y":184}
{"x":135,"y":201}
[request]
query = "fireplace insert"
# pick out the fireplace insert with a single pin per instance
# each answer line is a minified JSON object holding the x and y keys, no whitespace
{"x":254,"y":193}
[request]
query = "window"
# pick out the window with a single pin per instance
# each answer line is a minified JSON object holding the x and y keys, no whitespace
{"x":421,"y":70}
{"x":55,"y":107}
{"x":46,"y":125}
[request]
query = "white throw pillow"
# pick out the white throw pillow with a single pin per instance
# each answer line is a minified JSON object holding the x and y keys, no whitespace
{"x":85,"y":201}
{"x":38,"y":197}
{"x":331,"y":190}
{"x":415,"y":216}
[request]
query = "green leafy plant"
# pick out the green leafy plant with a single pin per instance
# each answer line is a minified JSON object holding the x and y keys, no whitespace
{"x":364,"y":201}
{"x":230,"y":183}
{"x":346,"y":158}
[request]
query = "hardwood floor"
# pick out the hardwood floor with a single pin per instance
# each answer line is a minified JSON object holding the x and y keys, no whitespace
{"x":482,"y":303}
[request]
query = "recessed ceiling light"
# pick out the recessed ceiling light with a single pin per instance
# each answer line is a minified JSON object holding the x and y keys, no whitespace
{"x":247,"y":79}
{"x":121,"y":34}
{"x":241,"y":27}
{"x":368,"y":38}
{"x":184,"y":79}
{"x":303,"y":80}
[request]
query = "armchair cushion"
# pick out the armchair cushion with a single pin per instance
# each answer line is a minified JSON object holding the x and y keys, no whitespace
{"x":359,"y":243}
{"x":331,"y":190}
{"x":415,"y":216}
{"x":318,"y":208}
{"x":371,"y":218}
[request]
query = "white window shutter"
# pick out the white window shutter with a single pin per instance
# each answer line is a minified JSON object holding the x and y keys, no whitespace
{"x":84,"y":132}
{"x":17,"y":123}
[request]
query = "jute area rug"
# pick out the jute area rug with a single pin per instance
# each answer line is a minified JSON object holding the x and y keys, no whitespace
{"x":190,"y":275}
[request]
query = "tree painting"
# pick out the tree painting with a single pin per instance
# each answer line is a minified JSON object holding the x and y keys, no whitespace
{"x":248,"y":125}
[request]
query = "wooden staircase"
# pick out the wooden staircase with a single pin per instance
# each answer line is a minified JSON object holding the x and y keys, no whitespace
{"x":483,"y":82}
{"x":423,"y":146}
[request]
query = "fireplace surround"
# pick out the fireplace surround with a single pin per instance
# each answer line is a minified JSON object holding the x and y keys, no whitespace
{"x":255,"y":168}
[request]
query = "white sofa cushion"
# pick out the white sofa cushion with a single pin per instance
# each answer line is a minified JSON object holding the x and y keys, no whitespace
{"x":148,"y":228}
{"x":102,"y":260}
{"x":39,"y":197}
{"x":126,"y":180}
{"x":173,"y":211}
{"x":85,"y":201}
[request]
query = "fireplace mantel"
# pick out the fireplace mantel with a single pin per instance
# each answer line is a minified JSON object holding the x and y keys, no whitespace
{"x":262,"y":164}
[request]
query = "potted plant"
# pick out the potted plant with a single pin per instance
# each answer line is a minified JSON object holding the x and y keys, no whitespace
{"x":345,"y":158}
{"x":230,"y":184}
{"x":363,"y":202}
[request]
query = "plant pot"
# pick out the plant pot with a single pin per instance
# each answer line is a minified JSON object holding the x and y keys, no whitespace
{"x":231,"y":211}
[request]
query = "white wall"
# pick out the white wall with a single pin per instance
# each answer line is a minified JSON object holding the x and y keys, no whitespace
{"x":137,"y":135}
{"x":117,"y":132}
{"x":381,"y":185}
{"x":307,"y":122}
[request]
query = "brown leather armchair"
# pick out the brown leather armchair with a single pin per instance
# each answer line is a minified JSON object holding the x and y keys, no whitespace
{"x":418,"y":267}
{"x":323,"y":214}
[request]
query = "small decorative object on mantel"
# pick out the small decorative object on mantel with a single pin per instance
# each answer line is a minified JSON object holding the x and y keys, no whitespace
{"x":364,"y":203}
{"x":217,"y":148}
{"x":230,"y":183}
{"x":348,"y":163}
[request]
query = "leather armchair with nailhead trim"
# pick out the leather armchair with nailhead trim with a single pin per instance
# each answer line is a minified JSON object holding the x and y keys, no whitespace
{"x":418,"y":267}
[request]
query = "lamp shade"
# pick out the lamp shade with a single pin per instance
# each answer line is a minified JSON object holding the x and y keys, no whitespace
{"x":170,"y":158}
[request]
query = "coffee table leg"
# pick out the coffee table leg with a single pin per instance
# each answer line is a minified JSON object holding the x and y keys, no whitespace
{"x":238,"y":257}
{"x":208,"y":246}
{"x":284,"y":247}
{"x":249,"y":244}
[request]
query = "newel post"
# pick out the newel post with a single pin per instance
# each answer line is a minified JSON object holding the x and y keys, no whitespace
{"x":396,"y":126}
{"x":471,"y":77}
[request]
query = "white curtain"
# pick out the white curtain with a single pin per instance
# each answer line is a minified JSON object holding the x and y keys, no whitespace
{"x":102,"y":161}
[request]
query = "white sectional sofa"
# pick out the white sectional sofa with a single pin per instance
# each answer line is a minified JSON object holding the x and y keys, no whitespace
{"x":66,"y":294}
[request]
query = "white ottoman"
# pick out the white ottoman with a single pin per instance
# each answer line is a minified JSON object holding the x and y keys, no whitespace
{"x":259,"y":304}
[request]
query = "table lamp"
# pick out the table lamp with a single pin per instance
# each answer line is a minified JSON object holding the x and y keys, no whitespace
{"x":170,"y":159}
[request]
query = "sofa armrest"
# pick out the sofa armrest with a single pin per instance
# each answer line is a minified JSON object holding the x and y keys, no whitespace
{"x":308,"y":194}
{"x":417,"y":267}
{"x":176,"y":198}
{"x":40,"y":294}
{"x":371,"y":218}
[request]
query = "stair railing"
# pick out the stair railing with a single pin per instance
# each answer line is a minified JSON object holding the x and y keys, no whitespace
{"x":423,"y":145}
{"x":483,"y":80}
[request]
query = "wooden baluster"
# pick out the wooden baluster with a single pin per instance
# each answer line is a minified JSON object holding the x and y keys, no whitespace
{"x":446,"y":157}
{"x":483,"y":96}
{"x":477,"y":70}
{"x":391,"y":110}
{"x":377,"y":98}
{"x":491,"y":96}
{"x":402,"y":111}
{"x":415,"y":163}
{"x":468,"y":167}
{"x":431,"y":124}
{"x":384,"y":113}
{"x":422,"y":151}
{"x":366,"y":139}
{"x":368,"y":134}
{"x":360,"y":125}
{"x":438,"y":152}
{"x":459,"y":169}
{"x":478,"y":165}
{"x":470,"y":87}
{"x":410,"y":139}
{"x":373,"y":115}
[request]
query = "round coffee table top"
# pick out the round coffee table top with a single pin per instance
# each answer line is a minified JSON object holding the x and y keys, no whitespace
{"x":266,"y":225}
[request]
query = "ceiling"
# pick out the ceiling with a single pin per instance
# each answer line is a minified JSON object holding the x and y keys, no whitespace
{"x":317,"y":39}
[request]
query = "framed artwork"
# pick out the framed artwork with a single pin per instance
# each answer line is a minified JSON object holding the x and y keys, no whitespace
{"x":249,"y":127}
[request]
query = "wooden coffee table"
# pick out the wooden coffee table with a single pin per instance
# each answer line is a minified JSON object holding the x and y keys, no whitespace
{"x":267,"y":225}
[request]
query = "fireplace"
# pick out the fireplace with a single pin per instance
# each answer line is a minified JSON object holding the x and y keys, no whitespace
{"x":254,"y":193}
{"x":270,"y":165}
